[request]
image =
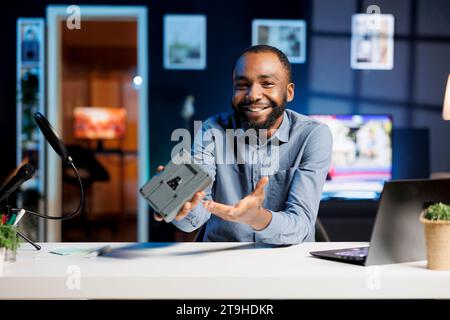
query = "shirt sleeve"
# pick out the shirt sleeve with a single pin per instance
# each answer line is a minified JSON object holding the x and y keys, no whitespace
{"x":296,"y":223}
{"x":203,"y":154}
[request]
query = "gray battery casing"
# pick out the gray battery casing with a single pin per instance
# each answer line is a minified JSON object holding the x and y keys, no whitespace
{"x":168,"y":191}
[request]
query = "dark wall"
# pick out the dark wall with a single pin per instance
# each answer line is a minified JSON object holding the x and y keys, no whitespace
{"x":228,"y":33}
{"x":412,"y":92}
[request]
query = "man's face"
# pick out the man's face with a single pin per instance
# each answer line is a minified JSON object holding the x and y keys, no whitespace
{"x":261,"y":90}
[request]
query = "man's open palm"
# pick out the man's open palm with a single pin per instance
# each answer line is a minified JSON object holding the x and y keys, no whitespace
{"x":249,"y":210}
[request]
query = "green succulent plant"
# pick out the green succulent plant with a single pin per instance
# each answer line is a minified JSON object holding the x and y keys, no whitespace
{"x":438,"y":211}
{"x":8,"y":237}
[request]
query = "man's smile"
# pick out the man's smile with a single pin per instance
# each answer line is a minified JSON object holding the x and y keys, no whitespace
{"x":255,"y":111}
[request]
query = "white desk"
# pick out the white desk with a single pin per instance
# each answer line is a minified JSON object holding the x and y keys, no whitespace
{"x":214,"y":271}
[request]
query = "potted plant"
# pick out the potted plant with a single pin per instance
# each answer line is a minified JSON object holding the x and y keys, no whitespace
{"x":8,"y":241}
{"x":436,"y":220}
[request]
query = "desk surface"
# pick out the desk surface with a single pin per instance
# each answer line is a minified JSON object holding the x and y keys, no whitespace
{"x":213,"y":271}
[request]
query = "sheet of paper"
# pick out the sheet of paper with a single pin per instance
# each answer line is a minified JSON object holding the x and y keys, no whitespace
{"x":74,"y":251}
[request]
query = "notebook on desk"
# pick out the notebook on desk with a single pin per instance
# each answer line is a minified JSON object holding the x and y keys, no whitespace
{"x":397,"y":235}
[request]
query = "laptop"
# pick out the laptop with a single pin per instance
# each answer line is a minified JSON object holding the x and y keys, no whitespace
{"x":397,"y":235}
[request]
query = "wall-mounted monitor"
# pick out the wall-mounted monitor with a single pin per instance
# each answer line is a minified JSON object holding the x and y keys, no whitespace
{"x":99,"y":123}
{"x":362,"y":155}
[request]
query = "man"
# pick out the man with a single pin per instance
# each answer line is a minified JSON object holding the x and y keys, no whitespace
{"x":245,"y":201}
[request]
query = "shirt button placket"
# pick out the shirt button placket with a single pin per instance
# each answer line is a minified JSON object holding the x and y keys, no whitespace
{"x":255,"y":167}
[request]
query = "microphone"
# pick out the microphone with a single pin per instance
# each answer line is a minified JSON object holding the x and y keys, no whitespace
{"x":52,"y":137}
{"x":27,"y":171}
{"x":24,"y":173}
{"x":58,"y":145}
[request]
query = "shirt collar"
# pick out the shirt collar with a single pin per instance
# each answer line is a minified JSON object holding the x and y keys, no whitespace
{"x":282,"y":133}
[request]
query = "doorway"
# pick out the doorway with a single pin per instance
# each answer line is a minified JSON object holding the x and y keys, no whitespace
{"x":97,"y":101}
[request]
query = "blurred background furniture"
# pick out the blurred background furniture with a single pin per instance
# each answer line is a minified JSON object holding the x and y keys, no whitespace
{"x":90,"y":170}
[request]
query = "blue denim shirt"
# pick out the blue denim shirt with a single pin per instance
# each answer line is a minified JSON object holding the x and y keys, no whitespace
{"x":295,"y":183}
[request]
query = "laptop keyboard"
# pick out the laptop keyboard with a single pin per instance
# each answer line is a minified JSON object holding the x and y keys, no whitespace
{"x":354,"y":253}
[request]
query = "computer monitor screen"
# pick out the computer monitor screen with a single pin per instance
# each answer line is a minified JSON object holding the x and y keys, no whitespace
{"x":99,"y":123}
{"x":362,"y":155}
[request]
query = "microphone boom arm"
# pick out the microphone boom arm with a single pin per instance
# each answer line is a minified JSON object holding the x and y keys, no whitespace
{"x":73,"y":214}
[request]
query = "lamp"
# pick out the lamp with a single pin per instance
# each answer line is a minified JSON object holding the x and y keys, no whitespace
{"x":445,"y":116}
{"x":446,"y":108}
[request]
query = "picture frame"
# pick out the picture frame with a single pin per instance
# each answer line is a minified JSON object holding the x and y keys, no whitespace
{"x":372,"y":45}
{"x":287,"y":35}
{"x":184,"y":42}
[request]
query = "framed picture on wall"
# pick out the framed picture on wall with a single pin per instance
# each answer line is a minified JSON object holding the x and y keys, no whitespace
{"x":287,"y":35}
{"x":184,"y":42}
{"x":372,"y":41}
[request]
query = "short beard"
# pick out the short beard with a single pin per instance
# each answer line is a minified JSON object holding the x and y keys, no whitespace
{"x":275,"y":114}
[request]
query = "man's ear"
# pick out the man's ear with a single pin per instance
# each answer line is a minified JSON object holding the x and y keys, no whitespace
{"x":290,"y":92}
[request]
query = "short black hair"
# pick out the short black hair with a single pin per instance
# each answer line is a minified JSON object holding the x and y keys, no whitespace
{"x":266,"y":48}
